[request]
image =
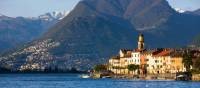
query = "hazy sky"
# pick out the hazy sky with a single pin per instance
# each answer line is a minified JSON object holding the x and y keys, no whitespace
{"x":185,"y":4}
{"x":31,"y":8}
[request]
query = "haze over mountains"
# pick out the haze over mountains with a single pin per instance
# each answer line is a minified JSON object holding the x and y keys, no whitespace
{"x":196,"y":12}
{"x":15,"y":32}
{"x":96,"y":29}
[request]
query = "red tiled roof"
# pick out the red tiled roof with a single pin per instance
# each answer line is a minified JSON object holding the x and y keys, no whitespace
{"x":125,"y":50}
{"x":164,"y":53}
{"x":152,"y":51}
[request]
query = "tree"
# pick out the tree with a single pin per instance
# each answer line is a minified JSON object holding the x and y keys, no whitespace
{"x":99,"y":68}
{"x":197,"y":64}
{"x":133,"y":67}
{"x":187,"y":60}
{"x":4,"y":69}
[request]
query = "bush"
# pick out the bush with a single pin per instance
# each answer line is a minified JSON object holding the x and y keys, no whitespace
{"x":99,"y":68}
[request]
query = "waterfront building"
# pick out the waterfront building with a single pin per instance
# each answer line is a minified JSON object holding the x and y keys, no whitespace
{"x":158,"y":62}
{"x":154,"y":61}
{"x":177,"y":65}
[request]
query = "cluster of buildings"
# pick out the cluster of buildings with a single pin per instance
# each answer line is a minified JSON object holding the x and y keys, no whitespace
{"x":37,"y":57}
{"x":154,"y":61}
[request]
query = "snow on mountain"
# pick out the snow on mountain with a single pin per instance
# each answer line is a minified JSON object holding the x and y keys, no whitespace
{"x":54,"y":15}
{"x":179,"y":10}
{"x":1,"y":14}
{"x":19,"y":30}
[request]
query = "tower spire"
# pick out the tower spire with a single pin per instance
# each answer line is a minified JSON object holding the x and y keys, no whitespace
{"x":141,"y":42}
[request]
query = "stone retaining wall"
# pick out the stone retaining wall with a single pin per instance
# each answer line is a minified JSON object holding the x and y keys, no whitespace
{"x":196,"y":77}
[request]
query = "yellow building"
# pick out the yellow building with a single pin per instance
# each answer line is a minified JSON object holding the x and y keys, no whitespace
{"x":161,"y":62}
{"x":119,"y":64}
{"x":177,"y":65}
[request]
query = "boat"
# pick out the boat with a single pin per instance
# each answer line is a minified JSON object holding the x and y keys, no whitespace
{"x":183,"y":76}
{"x":106,"y":77}
{"x":85,"y":76}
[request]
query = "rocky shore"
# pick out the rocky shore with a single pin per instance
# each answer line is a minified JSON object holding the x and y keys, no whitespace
{"x":195,"y":77}
{"x":131,"y":76}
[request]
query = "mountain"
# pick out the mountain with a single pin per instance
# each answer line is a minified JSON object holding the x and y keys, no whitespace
{"x":53,"y":16}
{"x":179,"y":10}
{"x":1,"y":14}
{"x":196,"y":12}
{"x":16,"y":31}
{"x":196,"y":40}
{"x":97,"y":29}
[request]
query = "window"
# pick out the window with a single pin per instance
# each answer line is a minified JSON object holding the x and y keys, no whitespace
{"x":157,"y":66}
{"x":172,"y":61}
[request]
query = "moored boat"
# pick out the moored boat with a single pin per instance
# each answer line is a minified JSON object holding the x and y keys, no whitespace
{"x":85,"y":76}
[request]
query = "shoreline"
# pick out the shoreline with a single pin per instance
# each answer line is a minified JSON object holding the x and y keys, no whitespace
{"x":175,"y":77}
{"x":113,"y":77}
{"x":78,"y":72}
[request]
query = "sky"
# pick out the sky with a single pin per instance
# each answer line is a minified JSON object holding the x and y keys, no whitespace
{"x":33,"y":8}
{"x":185,"y":4}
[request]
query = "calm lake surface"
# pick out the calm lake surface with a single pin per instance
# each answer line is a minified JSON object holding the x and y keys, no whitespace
{"x":73,"y":81}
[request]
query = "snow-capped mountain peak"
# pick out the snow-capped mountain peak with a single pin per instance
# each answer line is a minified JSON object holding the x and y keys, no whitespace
{"x":179,"y":10}
{"x":1,"y":14}
{"x":54,"y":15}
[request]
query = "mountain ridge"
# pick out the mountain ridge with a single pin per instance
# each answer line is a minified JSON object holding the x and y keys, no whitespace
{"x":16,"y":31}
{"x":195,"y":12}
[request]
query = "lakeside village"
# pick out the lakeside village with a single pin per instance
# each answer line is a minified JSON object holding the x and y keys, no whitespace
{"x":140,"y":63}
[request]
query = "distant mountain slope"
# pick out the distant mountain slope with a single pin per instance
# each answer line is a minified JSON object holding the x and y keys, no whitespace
{"x":196,"y":40}
{"x":178,"y":31}
{"x":196,"y":12}
{"x":17,"y":31}
{"x":96,"y":29}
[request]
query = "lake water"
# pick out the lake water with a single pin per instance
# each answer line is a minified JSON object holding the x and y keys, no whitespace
{"x":73,"y":81}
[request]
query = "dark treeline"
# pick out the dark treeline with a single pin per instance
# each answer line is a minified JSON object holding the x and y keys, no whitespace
{"x":46,"y":70}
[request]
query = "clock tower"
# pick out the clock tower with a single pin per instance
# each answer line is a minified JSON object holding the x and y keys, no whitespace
{"x":141,"y":42}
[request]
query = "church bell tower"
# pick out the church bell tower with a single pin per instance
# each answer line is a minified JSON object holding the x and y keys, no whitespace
{"x":141,"y":42}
